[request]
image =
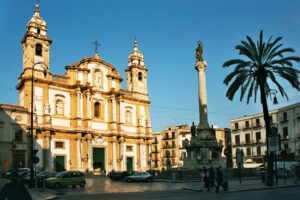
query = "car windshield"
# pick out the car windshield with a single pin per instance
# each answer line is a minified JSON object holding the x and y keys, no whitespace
{"x":59,"y":175}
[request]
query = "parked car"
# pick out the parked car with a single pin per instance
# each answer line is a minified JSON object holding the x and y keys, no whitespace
{"x":22,"y":171}
{"x":139,"y":176}
{"x":119,"y":175}
{"x":283,"y":173}
{"x":64,"y":179}
{"x":7,"y":174}
{"x":25,"y":178}
{"x":43,"y":176}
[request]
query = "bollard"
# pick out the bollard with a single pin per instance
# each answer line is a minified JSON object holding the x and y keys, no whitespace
{"x":43,"y":182}
{"x":173,"y":176}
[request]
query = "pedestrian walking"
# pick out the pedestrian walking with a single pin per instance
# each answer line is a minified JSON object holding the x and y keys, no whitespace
{"x":220,"y":180}
{"x":14,"y":190}
{"x":212,"y":178}
{"x":206,"y":178}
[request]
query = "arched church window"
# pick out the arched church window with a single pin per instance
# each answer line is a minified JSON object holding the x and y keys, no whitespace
{"x":38,"y":31}
{"x":38,"y":49}
{"x":128,"y":117}
{"x":140,"y":76}
{"x":97,"y":109}
{"x":59,"y":109}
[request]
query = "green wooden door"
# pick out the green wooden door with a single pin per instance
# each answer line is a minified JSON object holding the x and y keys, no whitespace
{"x":60,"y":163}
{"x":129,"y":163}
{"x":99,"y":158}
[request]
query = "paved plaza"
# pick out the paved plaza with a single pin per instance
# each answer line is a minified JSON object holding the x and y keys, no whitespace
{"x":105,"y":187}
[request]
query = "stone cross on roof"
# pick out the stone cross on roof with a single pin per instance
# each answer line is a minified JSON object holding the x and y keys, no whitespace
{"x":96,"y":46}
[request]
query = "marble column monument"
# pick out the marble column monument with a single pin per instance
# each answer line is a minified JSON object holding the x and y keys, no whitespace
{"x":203,"y":148}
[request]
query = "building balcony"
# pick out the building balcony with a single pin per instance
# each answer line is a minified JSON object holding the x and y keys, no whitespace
{"x":259,"y":141}
{"x":257,"y":126}
{"x":249,"y":143}
{"x":234,"y":129}
{"x":284,"y":120}
{"x":244,"y":127}
{"x":236,"y":144}
{"x":286,"y":137}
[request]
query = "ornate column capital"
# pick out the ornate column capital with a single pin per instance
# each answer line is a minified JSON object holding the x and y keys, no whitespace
{"x":201,"y":65}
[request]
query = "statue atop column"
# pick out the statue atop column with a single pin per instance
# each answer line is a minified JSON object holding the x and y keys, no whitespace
{"x":203,"y":149}
{"x":199,"y":51}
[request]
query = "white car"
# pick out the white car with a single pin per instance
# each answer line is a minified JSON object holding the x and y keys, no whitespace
{"x":22,"y":171}
{"x":139,"y":176}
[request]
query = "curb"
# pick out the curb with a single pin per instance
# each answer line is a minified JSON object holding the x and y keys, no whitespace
{"x":246,"y":190}
{"x":51,"y":198}
{"x":264,"y":188}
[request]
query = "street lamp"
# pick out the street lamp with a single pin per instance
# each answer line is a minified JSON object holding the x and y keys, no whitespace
{"x":274,"y":93}
{"x":31,"y":181}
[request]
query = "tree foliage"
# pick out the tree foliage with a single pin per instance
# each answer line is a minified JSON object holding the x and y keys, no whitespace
{"x":264,"y":64}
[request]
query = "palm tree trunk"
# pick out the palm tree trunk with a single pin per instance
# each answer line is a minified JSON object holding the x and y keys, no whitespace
{"x":270,"y":156}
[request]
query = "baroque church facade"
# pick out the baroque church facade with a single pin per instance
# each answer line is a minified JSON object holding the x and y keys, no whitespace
{"x":83,"y":120}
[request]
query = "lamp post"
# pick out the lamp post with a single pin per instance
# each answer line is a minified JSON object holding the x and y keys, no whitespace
{"x":31,"y":181}
{"x":270,"y":154}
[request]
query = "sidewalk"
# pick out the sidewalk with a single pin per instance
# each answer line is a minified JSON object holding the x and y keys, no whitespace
{"x":39,"y":194}
{"x":36,"y":193}
{"x":247,"y":185}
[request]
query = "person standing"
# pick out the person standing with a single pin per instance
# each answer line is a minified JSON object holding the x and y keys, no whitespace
{"x":212,"y":177}
{"x":206,"y":178}
{"x":219,"y":180}
{"x":14,"y":190}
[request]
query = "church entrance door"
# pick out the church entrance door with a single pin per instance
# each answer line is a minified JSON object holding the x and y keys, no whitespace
{"x":99,"y":159}
{"x":129,"y":163}
{"x":60,"y":163}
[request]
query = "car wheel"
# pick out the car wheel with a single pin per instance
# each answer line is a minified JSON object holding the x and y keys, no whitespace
{"x":129,"y":180}
{"x":82,"y":184}
{"x":149,"y":180}
{"x":57,"y":185}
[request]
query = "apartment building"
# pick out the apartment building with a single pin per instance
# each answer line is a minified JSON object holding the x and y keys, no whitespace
{"x":249,"y":134}
{"x":172,"y":140}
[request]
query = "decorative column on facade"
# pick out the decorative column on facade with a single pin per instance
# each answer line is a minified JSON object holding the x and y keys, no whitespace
{"x":88,"y":97}
{"x":120,"y":112}
{"x":201,"y":67}
{"x":114,"y":111}
{"x":141,"y":155}
{"x":114,"y":155}
{"x":48,"y":155}
{"x":149,"y":155}
{"x":122,"y":155}
{"x":81,"y":105}
{"x":79,"y":154}
{"x":78,"y":94}
{"x":89,"y":154}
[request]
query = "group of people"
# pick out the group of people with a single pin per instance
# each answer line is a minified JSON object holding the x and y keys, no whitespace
{"x":209,"y":179}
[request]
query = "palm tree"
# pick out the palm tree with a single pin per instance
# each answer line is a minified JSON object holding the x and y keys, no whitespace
{"x":265,"y":61}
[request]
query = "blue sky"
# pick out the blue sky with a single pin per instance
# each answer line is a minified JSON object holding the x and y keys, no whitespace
{"x":167,"y":32}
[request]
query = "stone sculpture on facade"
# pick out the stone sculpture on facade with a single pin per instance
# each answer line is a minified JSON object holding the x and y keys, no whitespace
{"x":203,"y":149}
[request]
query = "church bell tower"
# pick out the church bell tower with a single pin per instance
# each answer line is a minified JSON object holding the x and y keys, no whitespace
{"x":136,"y":72}
{"x":36,"y":43}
